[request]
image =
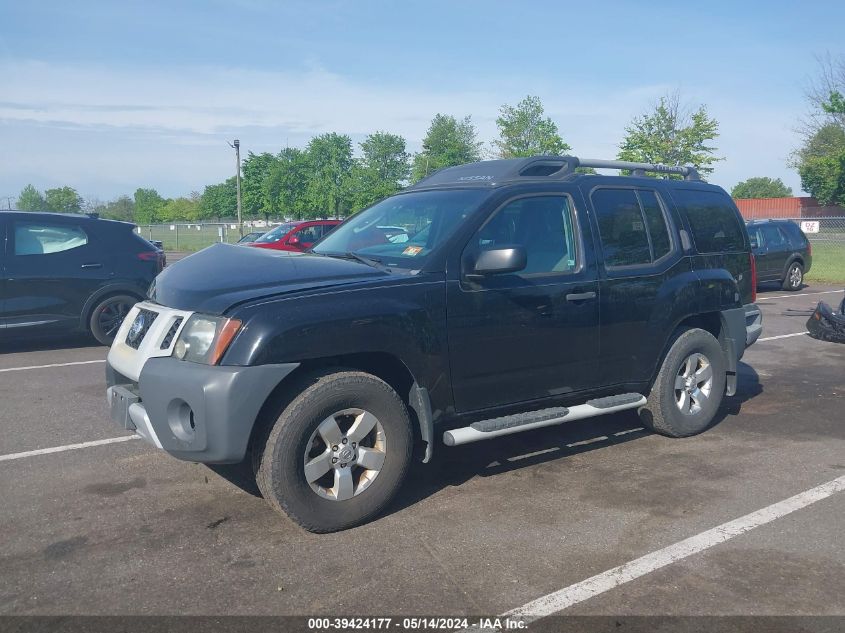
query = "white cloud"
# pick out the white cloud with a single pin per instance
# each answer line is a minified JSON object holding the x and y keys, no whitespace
{"x":106,"y":129}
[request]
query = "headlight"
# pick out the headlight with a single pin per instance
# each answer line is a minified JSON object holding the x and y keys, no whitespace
{"x":204,"y":339}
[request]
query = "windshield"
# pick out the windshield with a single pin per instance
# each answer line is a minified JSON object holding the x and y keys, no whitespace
{"x":403,"y":230}
{"x":275,"y":234}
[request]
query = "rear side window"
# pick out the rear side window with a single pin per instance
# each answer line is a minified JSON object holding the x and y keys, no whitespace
{"x":713,"y":220}
{"x":773,"y":237}
{"x":795,"y":234}
{"x":632,"y":226}
{"x":657,"y":228}
{"x":37,"y":238}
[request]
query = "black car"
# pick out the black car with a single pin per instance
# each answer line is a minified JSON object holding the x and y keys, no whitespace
{"x":71,"y":272}
{"x":525,"y":295}
{"x":782,"y":252}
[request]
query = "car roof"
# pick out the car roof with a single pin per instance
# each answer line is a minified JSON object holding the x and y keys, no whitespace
{"x":771,"y":221}
{"x":53,"y":215}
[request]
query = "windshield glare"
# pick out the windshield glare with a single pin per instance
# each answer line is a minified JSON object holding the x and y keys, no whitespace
{"x":275,"y":234}
{"x":403,"y":230}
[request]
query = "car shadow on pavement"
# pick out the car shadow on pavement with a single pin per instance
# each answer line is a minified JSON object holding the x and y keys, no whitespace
{"x":456,"y":465}
{"x":42,"y":343}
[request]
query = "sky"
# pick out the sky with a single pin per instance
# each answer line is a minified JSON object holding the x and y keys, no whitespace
{"x":110,"y":96}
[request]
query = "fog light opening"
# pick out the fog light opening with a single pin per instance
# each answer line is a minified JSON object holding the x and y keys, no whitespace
{"x":180,"y":417}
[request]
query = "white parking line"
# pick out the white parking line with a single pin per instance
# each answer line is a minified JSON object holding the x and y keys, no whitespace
{"x":800,"y":294}
{"x":612,"y":578}
{"x":67,"y":447}
{"x":78,"y":362}
{"x":774,"y":338}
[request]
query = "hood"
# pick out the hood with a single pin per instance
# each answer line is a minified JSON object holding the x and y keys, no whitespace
{"x":218,"y":277}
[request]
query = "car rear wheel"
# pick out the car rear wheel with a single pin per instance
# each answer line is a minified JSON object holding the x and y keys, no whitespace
{"x":794,"y":277}
{"x":337,"y":454}
{"x":689,"y":386}
{"x":107,"y":316}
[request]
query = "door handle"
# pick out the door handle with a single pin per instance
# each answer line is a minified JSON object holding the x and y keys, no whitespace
{"x":580,"y":296}
{"x":91,"y":266}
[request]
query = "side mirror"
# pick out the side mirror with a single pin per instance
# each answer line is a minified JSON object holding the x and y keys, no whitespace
{"x":293,"y":240}
{"x":495,"y":261}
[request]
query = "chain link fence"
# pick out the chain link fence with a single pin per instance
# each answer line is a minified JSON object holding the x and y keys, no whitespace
{"x":196,"y":236}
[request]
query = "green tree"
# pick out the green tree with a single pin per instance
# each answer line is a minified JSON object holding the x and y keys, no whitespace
{"x":835,"y":103}
{"x":63,"y":200}
{"x":30,"y":199}
{"x":286,"y":185}
{"x":176,"y":209}
{"x":670,"y":135}
{"x":148,"y":206}
{"x":381,"y":171}
{"x":256,"y":168}
{"x":761,"y":187}
{"x":821,"y":164}
{"x":821,"y":159}
{"x":524,"y":131}
{"x":448,"y":142}
{"x":219,"y":201}
{"x":123,"y":208}
{"x":330,"y":159}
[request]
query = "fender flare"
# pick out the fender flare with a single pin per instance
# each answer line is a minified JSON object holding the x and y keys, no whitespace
{"x":794,"y":257}
{"x":100,"y":293}
{"x":420,"y":402}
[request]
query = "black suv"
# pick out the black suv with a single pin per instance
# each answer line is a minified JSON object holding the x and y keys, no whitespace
{"x":782,"y":252}
{"x":519,"y":294}
{"x":71,"y":272}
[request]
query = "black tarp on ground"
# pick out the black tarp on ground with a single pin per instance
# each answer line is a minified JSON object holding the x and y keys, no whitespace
{"x":827,"y":325}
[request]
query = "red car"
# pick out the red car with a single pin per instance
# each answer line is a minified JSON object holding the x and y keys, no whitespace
{"x":295,"y":236}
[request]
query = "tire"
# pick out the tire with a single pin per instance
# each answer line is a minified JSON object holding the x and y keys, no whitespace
{"x":675,"y":412}
{"x":298,"y":436}
{"x":107,"y":316}
{"x":794,"y":277}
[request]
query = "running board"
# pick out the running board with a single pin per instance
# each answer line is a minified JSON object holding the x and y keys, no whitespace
{"x":495,"y":427}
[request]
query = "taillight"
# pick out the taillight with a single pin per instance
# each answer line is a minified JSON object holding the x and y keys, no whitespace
{"x":753,"y":278}
{"x":809,"y":248}
{"x":148,"y":256}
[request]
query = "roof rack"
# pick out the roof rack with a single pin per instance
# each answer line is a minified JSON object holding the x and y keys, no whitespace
{"x":490,"y":172}
{"x":640,"y":169}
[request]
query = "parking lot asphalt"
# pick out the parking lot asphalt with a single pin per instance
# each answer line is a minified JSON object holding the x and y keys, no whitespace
{"x":120,"y":528}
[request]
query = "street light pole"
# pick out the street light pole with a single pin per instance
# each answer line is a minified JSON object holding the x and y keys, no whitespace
{"x":237,"y":146}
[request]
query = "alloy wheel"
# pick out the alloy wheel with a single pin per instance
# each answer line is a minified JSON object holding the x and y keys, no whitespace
{"x":345,"y":454}
{"x":795,"y":276}
{"x":111,"y":316}
{"x":693,"y":383}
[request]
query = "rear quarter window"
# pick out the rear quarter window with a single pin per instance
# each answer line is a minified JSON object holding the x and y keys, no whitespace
{"x":715,"y":225}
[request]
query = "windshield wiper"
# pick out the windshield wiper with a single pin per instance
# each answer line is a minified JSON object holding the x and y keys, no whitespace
{"x":374,"y":263}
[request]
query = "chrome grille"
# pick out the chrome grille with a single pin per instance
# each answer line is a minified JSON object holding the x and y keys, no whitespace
{"x":139,"y":328}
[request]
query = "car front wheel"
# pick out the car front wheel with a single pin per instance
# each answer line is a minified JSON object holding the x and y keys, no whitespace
{"x":337,"y":454}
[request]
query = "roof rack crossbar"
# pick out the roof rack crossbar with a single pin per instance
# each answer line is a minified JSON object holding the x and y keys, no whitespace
{"x":689,"y":173}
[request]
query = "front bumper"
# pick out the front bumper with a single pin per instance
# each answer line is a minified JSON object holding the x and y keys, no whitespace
{"x":198,"y":413}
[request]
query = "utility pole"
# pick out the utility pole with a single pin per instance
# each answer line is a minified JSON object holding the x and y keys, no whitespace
{"x":237,"y":146}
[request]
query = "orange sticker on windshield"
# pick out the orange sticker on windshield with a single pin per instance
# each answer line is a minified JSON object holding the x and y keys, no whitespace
{"x":412,"y":250}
